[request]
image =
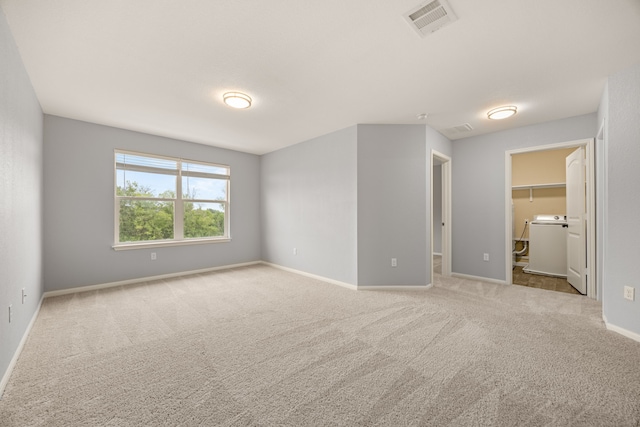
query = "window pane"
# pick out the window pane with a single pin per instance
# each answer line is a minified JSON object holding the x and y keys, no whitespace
{"x":204,"y":188}
{"x":203,"y":220}
{"x":133,"y":183}
{"x":197,"y":167}
{"x":145,"y":220}
{"x":153,"y":162}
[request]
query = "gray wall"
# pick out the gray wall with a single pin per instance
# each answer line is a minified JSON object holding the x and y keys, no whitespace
{"x":392,"y":206}
{"x":393,"y":203}
{"x":20,"y":197}
{"x":351,"y":200}
{"x":78,"y":201}
{"x":437,"y":208}
{"x":622,"y":233}
{"x":308,"y":195}
{"x":478,"y":190}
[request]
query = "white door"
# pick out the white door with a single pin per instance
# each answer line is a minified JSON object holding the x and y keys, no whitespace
{"x":576,"y":247}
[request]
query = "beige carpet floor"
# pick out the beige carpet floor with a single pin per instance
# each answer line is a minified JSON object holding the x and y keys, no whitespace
{"x":257,"y":346}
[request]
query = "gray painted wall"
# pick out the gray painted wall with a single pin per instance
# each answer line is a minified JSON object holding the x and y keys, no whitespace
{"x":437,"y":208}
{"x":623,"y":204}
{"x":20,"y":197}
{"x":393,"y":203}
{"x":309,"y":201}
{"x":374,"y":179}
{"x":478,"y":190}
{"x":78,"y":201}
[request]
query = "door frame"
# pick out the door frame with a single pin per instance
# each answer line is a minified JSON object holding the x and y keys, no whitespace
{"x":601,"y":207}
{"x":446,"y":212}
{"x":589,"y":145}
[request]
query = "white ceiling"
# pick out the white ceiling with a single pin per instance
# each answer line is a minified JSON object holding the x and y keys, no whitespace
{"x":313,"y":67}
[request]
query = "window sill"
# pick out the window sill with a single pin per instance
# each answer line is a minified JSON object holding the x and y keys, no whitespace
{"x":165,"y":243}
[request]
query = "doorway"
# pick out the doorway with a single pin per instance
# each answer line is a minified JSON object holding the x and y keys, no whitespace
{"x":440,"y":241}
{"x":514,"y":230}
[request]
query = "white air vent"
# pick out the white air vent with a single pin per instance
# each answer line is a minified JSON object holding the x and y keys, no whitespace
{"x":430,"y":16}
{"x":463,"y":128}
{"x":466,"y":127}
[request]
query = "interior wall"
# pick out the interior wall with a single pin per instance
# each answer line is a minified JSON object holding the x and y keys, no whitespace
{"x":20,"y":198}
{"x":479,"y":184}
{"x":350,"y":201}
{"x":540,"y":167}
{"x":623,"y":174}
{"x":392,"y":205}
{"x":79,"y":202}
{"x":309,"y":202}
{"x":394,"y":193}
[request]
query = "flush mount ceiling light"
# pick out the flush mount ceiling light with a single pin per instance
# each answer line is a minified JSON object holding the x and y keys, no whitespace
{"x":502,"y":112}
{"x":237,"y":100}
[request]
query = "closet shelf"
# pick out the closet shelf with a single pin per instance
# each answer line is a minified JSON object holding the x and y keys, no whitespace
{"x":534,"y":186}
{"x":531,"y":187}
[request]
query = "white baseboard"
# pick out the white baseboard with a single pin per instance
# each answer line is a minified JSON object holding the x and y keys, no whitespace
{"x":313,"y":276}
{"x":396,"y":288}
{"x":16,"y":355}
{"x":349,"y":285}
{"x":479,"y":278}
{"x":143,"y":279}
{"x":622,"y":331}
{"x":88,"y":288}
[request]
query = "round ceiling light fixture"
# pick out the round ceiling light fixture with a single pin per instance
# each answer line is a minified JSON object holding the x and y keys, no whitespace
{"x":502,"y":112}
{"x":237,"y":100}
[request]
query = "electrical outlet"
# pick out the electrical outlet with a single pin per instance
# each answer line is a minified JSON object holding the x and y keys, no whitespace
{"x":295,"y":251}
{"x":24,"y":295}
{"x":10,"y":311}
{"x":629,"y":293}
{"x":394,"y":262}
{"x":153,"y":256}
{"x":526,"y":221}
{"x":486,"y":257}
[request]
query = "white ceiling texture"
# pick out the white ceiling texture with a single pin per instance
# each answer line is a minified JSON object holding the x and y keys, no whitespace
{"x":316,"y":66}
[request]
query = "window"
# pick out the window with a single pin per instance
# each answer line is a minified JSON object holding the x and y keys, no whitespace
{"x":163,"y":200}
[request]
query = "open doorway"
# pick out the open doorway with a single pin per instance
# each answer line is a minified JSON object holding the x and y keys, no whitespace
{"x":440,"y":226}
{"x":540,"y":199}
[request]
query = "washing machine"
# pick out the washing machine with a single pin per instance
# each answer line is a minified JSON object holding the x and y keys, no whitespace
{"x":548,"y":245}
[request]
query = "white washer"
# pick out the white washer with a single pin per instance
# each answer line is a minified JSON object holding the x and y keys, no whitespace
{"x":548,"y":245}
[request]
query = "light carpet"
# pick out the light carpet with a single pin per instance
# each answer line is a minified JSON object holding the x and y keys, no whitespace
{"x":257,"y":346}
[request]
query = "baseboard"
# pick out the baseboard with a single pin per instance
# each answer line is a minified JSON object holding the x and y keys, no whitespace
{"x":543,"y":273}
{"x":479,"y":278}
{"x":313,"y":276}
{"x":349,"y":285}
{"x":16,"y":355}
{"x":143,"y":279}
{"x":396,"y":288}
{"x":622,"y":331}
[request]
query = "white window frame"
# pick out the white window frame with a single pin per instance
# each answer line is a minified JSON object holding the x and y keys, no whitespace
{"x":178,"y":214}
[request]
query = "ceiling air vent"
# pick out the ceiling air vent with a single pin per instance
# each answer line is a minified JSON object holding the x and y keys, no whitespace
{"x":455,"y":130}
{"x":430,"y":16}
